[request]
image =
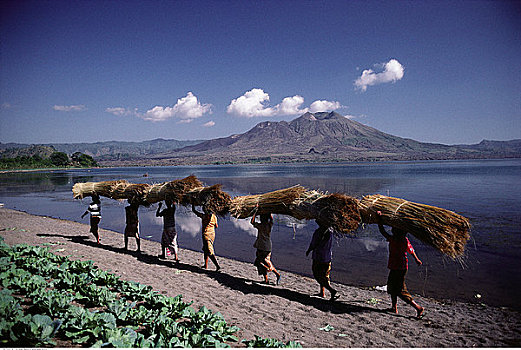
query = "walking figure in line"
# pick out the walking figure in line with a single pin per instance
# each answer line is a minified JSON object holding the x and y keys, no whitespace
{"x":169,"y":236}
{"x":264,"y":246}
{"x":322,"y":247}
{"x":132,"y":224}
{"x":399,"y":246}
{"x":95,"y":216}
{"x":209,"y":223}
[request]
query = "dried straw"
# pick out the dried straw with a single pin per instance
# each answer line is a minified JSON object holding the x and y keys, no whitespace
{"x":336,"y":210}
{"x":173,"y":190}
{"x":144,"y":194}
{"x":442,"y":229}
{"x":212,"y":199}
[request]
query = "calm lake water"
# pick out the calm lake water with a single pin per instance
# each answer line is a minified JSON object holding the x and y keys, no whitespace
{"x":486,"y":191}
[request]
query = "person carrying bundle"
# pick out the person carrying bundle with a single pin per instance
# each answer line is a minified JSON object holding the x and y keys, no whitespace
{"x":399,"y":246}
{"x":132,"y":224}
{"x":95,"y":215}
{"x":322,"y":247}
{"x":263,"y":245}
{"x":169,"y":237}
{"x":209,"y":223}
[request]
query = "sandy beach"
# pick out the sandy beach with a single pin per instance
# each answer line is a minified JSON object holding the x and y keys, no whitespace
{"x":286,"y":312}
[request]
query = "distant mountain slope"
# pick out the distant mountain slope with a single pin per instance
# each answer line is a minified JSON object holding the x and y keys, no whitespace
{"x":312,"y":137}
{"x":29,"y":151}
{"x":331,"y":136}
{"x":115,"y":150}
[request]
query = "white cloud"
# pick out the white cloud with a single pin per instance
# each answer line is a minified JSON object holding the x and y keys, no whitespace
{"x":186,"y":109}
{"x":393,"y":71}
{"x":324,"y":106}
{"x":254,"y":103}
{"x":120,"y":111}
{"x":73,"y":108}
{"x":251,"y":104}
{"x":291,"y":105}
{"x":209,"y":124}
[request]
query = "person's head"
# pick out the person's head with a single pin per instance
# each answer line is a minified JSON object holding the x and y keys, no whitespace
{"x":169,"y":203}
{"x":398,"y":233}
{"x":95,"y":198}
{"x":265,"y":217}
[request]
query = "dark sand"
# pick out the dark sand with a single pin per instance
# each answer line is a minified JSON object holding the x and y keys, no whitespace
{"x":285,"y":312}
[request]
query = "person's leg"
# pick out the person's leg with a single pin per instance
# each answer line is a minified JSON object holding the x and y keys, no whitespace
{"x":214,"y":260}
{"x":138,"y":243}
{"x":163,"y":252}
{"x":205,"y":266}
{"x":407,"y":297}
{"x":126,"y":241}
{"x":175,"y":247}
{"x":276,"y":274}
{"x":394,"y":302}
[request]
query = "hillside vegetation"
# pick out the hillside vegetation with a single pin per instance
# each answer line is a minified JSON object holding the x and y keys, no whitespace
{"x":36,"y":157}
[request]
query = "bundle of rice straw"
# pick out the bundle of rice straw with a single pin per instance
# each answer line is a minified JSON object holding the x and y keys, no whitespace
{"x":110,"y":189}
{"x":144,"y":194}
{"x":212,"y":199}
{"x":442,"y":229}
{"x":336,"y":210}
{"x":173,"y":190}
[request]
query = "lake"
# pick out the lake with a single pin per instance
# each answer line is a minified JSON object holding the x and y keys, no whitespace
{"x":488,"y":192}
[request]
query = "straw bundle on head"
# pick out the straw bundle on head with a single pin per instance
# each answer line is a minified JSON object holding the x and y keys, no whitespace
{"x":442,"y":229}
{"x":173,"y":190}
{"x":81,"y":190}
{"x":339,"y":211}
{"x":276,"y":202}
{"x":336,"y":210}
{"x":212,"y":199}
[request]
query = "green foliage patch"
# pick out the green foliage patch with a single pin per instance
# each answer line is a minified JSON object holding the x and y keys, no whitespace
{"x":45,"y":297}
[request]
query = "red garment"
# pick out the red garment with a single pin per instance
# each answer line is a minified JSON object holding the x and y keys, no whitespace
{"x":398,"y":249}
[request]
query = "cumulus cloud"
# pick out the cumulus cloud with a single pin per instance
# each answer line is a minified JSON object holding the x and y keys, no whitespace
{"x":186,"y":109}
{"x":251,"y":104}
{"x":254,"y":103}
{"x":291,"y":106}
{"x":393,"y":71}
{"x":209,"y":124}
{"x":73,"y":108}
{"x":324,"y":106}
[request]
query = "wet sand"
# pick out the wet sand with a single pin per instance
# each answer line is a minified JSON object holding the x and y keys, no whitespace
{"x":286,"y":312}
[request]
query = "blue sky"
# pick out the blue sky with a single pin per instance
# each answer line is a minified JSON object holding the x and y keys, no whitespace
{"x":87,"y":71}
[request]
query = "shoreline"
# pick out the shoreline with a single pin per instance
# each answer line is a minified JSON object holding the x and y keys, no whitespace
{"x":286,"y":312}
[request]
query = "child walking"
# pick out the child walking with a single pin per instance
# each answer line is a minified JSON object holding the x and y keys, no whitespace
{"x":399,"y":246}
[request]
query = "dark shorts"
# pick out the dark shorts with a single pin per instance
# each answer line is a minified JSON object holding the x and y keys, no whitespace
{"x":396,"y":284}
{"x":321,"y":271}
{"x":94,"y":221}
{"x":132,"y":231}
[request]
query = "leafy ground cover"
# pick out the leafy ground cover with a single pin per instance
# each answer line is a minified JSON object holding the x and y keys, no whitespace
{"x":46,"y":299}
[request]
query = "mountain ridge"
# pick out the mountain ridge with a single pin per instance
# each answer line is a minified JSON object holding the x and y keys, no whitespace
{"x":312,"y":137}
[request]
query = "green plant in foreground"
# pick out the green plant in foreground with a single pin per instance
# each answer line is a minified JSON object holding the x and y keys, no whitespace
{"x":58,"y":291}
{"x":260,"y":342}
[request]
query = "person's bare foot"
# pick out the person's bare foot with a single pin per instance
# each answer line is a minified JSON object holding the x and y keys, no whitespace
{"x":419,"y":312}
